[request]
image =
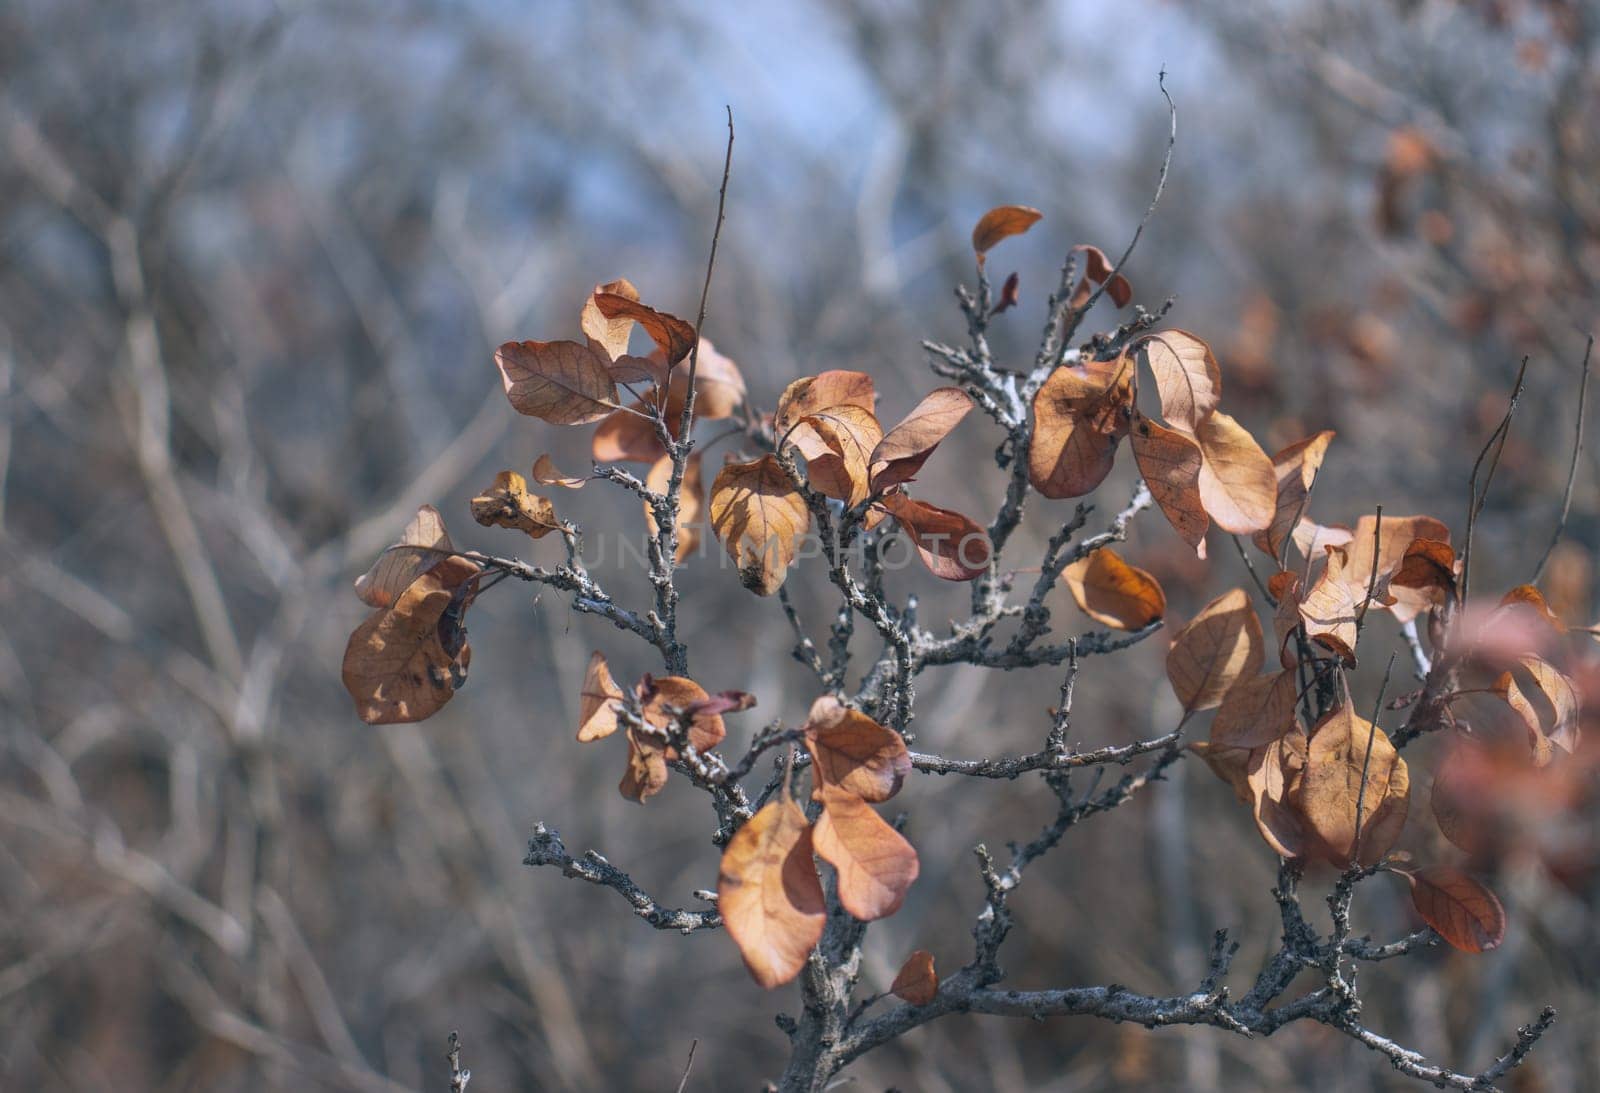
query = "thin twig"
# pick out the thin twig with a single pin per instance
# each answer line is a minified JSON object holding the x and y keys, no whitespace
{"x":1572,"y":468}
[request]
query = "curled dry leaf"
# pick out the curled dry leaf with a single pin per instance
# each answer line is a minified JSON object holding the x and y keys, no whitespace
{"x":1171,"y":463}
{"x":1312,"y":539}
{"x":769,"y":895}
{"x":1526,"y":598}
{"x":1237,"y":484}
{"x":854,"y":753}
{"x":810,"y":394}
{"x":691,"y":500}
{"x":905,"y":448}
{"x":719,"y":387}
{"x":1002,"y":222}
{"x":916,"y":981}
{"x":1010,"y":295}
{"x":1335,"y":762}
{"x":1329,"y":610}
{"x":630,"y":434}
{"x":1546,"y":701}
{"x":876,"y":864}
{"x":1296,"y":469}
{"x":1232,"y":765}
{"x":1114,"y":593}
{"x":660,"y":696}
{"x":952,"y":546}
{"x":1464,"y":912}
{"x":597,"y":713}
{"x":1274,"y":774}
{"x":406,"y":660}
{"x":546,"y":473}
{"x":838,"y":443}
{"x":1256,"y":710}
{"x":508,"y":504}
{"x":1096,"y":269}
{"x":423,"y":544}
{"x":759,"y":516}
{"x":563,"y":383}
{"x":1186,"y":374}
{"x":608,"y":335}
{"x":672,"y":335}
{"x":646,"y":772}
{"x":1214,"y":650}
{"x":1427,"y":568}
{"x":722,"y":702}
{"x":1391,"y":540}
{"x":1079,"y":416}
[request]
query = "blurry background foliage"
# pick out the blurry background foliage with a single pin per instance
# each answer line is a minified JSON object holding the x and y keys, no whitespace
{"x":254,"y":259}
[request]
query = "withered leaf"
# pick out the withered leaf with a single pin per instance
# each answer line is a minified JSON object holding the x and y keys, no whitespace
{"x":546,"y":473}
{"x":660,"y":695}
{"x":759,"y":516}
{"x":838,"y":443}
{"x":1274,"y":772}
{"x":1256,"y":710}
{"x":769,"y":894}
{"x":691,"y":500}
{"x":1329,"y":610}
{"x":671,"y":334}
{"x":1463,"y":911}
{"x":406,"y":660}
{"x":916,"y":981}
{"x":1312,"y":539}
{"x":876,"y":864}
{"x":597,"y":714}
{"x":809,"y":394}
{"x":1393,"y":537}
{"x":718,"y":384}
{"x":1114,"y":593}
{"x":1232,"y":765}
{"x":1079,"y":415}
{"x":608,"y":335}
{"x":1428,"y":567}
{"x":508,"y":504}
{"x":563,"y":383}
{"x":1527,"y":597}
{"x":1296,"y":469}
{"x":646,"y":772}
{"x":1002,"y":222}
{"x":1237,"y":485}
{"x":906,"y":447}
{"x":1186,"y":374}
{"x":952,"y":546}
{"x":855,"y":753}
{"x":1214,"y":650}
{"x":1097,"y":268}
{"x":1170,"y":463}
{"x":1010,"y":295}
{"x":630,"y":434}
{"x":1335,"y":761}
{"x":423,"y":544}
{"x":1546,"y":701}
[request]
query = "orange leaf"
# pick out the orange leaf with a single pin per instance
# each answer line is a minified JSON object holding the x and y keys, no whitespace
{"x":508,"y":504}
{"x":1002,"y":222}
{"x":423,"y":544}
{"x":1171,"y":462}
{"x":597,"y":716}
{"x":406,"y":660}
{"x":674,"y":336}
{"x":769,"y":895}
{"x":1186,"y":374}
{"x":1296,"y":469}
{"x":1079,"y":415}
{"x":1214,"y":650}
{"x":546,"y":473}
{"x":916,"y":982}
{"x":1256,"y":710}
{"x":1546,"y":701}
{"x":1329,"y":610}
{"x":1335,"y":762}
{"x":563,"y":383}
{"x":1525,"y":596}
{"x":1112,"y":592}
{"x":1395,"y":536}
{"x":1097,"y":268}
{"x":876,"y":865}
{"x":759,"y":516}
{"x":1273,"y":775}
{"x":660,"y":695}
{"x":1237,"y":484}
{"x":646,"y":772}
{"x":608,"y":335}
{"x":851,"y":751}
{"x":838,"y":443}
{"x":809,"y":394}
{"x":1465,"y":913}
{"x":952,"y":546}
{"x":630,"y":434}
{"x":905,"y":448}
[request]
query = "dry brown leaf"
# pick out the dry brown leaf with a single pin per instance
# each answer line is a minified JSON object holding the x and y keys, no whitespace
{"x":1527,"y":597}
{"x":406,"y":660}
{"x":809,"y":394}
{"x":546,"y":473}
{"x":671,"y":334}
{"x":838,"y":443}
{"x":952,"y":546}
{"x":423,"y":544}
{"x":876,"y":865}
{"x":1217,"y":647}
{"x":1463,"y":911}
{"x":630,"y":435}
{"x":1171,"y":462}
{"x":916,"y":981}
{"x":1428,"y":568}
{"x":1002,"y":222}
{"x":660,"y":695}
{"x":1232,"y":765}
{"x":1186,"y":374}
{"x":851,"y":751}
{"x":1395,"y":535}
{"x":691,"y":500}
{"x":1335,"y":762}
{"x":759,"y":516}
{"x":597,"y":714}
{"x":1256,"y":710}
{"x":1312,"y":539}
{"x":905,"y":448}
{"x":1284,"y":587}
{"x":1097,"y":268}
{"x":1273,"y":774}
{"x":718,"y":384}
{"x":1237,"y":484}
{"x":769,"y":895}
{"x":1296,"y":469}
{"x":608,"y":336}
{"x":563,"y":383}
{"x":1546,"y":701}
{"x":1111,"y":591}
{"x":1329,"y":610}
{"x":646,"y":772}
{"x":508,"y":504}
{"x":1080,"y":413}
